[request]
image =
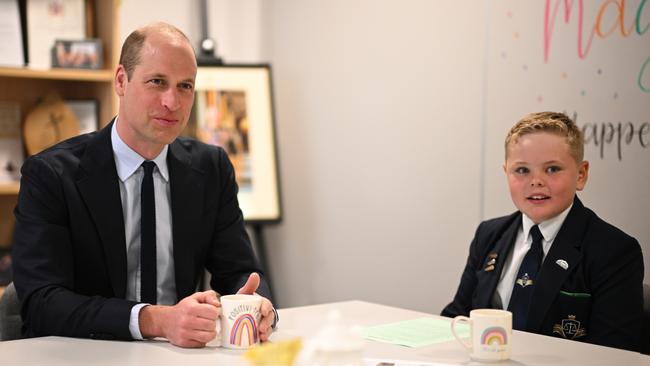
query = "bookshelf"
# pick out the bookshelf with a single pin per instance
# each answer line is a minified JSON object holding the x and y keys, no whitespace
{"x":26,"y":86}
{"x":58,"y":74}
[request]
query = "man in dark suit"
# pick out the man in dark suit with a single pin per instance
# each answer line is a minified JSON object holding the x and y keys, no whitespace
{"x":587,"y":284}
{"x":78,"y":267}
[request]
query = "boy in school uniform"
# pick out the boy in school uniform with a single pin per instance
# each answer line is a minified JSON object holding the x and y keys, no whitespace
{"x":559,"y":268}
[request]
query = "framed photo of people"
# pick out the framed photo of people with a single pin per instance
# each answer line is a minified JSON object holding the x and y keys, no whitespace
{"x":233,"y":108}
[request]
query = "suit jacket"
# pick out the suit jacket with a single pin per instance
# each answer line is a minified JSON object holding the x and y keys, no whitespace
{"x":70,"y":263}
{"x":598,"y":298}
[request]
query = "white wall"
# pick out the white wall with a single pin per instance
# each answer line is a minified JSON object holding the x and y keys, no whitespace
{"x":236,"y":26}
{"x":184,"y":15}
{"x":379,"y":144}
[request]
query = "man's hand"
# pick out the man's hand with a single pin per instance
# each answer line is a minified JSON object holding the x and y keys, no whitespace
{"x":190,"y":323}
{"x":268,"y":315}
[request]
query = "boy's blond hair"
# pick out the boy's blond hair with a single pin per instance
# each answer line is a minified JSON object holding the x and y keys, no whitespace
{"x":553,"y":122}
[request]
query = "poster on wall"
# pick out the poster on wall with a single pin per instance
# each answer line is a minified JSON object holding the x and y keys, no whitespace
{"x":591,"y":60}
{"x":233,"y":109}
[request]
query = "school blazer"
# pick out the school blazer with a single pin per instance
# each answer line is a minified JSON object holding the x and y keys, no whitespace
{"x":598,"y":298}
{"x":69,"y":251}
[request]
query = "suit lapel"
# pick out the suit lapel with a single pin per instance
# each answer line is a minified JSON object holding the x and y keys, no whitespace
{"x":490,"y":278}
{"x":187,"y":187}
{"x":99,"y":188}
{"x":566,"y":247}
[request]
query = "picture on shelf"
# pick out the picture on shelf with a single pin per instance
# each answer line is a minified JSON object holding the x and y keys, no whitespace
{"x":11,"y":147}
{"x":233,"y":109}
{"x":83,"y":54}
{"x":86,"y":113}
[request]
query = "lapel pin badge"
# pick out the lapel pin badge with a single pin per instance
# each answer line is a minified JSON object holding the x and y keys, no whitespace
{"x":489,"y":266}
{"x":562,"y":263}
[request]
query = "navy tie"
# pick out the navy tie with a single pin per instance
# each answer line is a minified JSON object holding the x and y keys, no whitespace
{"x":148,"y":284}
{"x":525,"y":283}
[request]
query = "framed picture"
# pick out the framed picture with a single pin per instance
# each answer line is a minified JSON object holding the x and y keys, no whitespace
{"x":233,"y":108}
{"x":11,"y":147}
{"x":82,"y":54}
{"x":86,"y":112}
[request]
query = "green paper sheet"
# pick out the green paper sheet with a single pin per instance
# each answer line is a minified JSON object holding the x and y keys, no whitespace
{"x":416,"y":332}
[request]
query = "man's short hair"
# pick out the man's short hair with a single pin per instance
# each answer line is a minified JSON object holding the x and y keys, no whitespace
{"x":130,"y":54}
{"x":553,"y":122}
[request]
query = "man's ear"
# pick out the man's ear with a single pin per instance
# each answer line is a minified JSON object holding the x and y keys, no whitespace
{"x":120,"y":81}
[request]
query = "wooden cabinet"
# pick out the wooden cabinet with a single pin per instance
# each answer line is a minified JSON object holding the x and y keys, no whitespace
{"x":26,"y":86}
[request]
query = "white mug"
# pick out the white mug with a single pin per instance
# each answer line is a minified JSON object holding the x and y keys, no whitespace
{"x":239,"y":321}
{"x":490,"y":334}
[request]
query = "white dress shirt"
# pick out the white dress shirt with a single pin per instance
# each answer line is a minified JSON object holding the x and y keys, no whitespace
{"x":549,"y":230}
{"x":131,"y":173}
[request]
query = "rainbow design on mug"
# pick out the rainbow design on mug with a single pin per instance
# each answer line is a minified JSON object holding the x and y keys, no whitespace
{"x":244,"y":328}
{"x":494,"y":336}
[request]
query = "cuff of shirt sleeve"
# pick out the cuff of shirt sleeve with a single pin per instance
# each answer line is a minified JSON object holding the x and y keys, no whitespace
{"x":275,"y":319}
{"x":134,"y":322}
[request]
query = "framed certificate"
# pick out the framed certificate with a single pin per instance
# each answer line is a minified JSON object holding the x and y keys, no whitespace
{"x":48,"y":20}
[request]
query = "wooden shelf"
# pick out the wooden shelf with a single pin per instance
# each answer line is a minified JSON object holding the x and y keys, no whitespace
{"x":24,"y":86}
{"x":9,"y":188}
{"x":58,"y":74}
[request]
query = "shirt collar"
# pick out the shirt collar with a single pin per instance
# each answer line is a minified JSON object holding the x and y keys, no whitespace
{"x":128,"y":161}
{"x":548,"y":228}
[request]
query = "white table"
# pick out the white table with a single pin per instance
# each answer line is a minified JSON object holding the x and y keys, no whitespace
{"x":528,"y":349}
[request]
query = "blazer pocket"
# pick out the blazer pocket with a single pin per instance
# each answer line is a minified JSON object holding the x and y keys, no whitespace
{"x":570,"y":315}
